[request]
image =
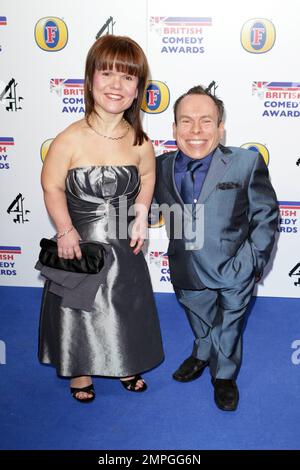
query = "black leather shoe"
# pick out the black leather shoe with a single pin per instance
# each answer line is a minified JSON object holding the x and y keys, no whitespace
{"x":226,"y":394}
{"x":190,"y":369}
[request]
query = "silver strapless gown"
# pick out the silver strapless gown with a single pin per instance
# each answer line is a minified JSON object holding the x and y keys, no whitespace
{"x":120,"y":336}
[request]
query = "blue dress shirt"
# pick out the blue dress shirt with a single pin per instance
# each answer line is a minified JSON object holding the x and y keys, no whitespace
{"x":181,"y":164}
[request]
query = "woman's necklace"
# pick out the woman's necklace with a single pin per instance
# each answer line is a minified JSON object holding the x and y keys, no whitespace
{"x":110,"y":137}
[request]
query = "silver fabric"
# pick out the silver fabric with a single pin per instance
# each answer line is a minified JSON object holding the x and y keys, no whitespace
{"x":120,"y":336}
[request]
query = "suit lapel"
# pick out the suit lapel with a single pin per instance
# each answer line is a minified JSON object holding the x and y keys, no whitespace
{"x":221,"y":162}
{"x":169,"y":176}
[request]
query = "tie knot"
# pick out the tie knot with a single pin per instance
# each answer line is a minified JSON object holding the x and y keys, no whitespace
{"x":194,"y":165}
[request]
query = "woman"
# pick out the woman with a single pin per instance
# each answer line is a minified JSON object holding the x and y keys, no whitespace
{"x":94,"y":169}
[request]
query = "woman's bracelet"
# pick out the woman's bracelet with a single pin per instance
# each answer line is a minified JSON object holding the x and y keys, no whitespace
{"x":62,"y":234}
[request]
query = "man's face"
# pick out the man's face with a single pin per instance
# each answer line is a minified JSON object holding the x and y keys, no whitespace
{"x":197,"y":131}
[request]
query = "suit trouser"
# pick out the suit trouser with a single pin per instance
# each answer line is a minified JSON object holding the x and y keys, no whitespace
{"x":217,"y":317}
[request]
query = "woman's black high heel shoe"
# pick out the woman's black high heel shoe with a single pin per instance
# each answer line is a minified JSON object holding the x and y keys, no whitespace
{"x":130,"y":384}
{"x":89,"y":389}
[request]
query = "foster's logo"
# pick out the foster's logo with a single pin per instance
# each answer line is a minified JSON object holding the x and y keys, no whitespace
{"x":51,"y":34}
{"x":156,"y":98}
{"x":258,"y":35}
{"x":256,"y":147}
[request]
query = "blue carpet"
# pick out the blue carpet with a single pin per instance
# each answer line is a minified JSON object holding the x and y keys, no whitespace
{"x":37,"y":411}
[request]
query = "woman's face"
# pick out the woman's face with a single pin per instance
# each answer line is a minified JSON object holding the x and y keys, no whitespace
{"x":114,"y":91}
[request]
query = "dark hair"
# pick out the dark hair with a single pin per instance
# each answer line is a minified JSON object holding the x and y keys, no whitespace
{"x":126,"y":56}
{"x":200,"y":90}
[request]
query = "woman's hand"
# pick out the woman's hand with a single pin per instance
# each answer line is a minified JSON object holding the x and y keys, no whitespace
{"x":139,"y":234}
{"x":68,"y":245}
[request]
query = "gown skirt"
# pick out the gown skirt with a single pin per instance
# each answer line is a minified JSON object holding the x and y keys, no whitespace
{"x":120,"y":336}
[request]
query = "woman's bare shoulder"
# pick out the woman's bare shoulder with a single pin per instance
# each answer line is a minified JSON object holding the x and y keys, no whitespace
{"x":68,"y":139}
{"x":73,"y":131}
{"x":146,"y":149}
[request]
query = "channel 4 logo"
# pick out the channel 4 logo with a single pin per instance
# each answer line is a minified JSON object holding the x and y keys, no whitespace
{"x":51,"y":34}
{"x":258,"y":35}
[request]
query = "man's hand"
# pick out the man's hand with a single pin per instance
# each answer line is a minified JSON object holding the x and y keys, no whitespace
{"x":257,"y":277}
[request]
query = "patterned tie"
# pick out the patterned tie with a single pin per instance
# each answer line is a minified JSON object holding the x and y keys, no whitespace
{"x":187,"y":184}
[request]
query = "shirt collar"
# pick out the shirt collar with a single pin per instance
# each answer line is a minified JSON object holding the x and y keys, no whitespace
{"x":182,"y":160}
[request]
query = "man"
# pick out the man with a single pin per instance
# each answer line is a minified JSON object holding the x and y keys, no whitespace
{"x":214,"y":282}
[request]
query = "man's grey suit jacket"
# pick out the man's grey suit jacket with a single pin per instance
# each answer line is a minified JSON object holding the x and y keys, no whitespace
{"x":240,"y":220}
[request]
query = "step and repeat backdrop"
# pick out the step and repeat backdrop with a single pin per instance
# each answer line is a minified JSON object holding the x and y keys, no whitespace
{"x":248,"y":53}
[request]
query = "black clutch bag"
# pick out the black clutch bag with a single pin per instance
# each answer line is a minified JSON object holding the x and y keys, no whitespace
{"x":91,"y":262}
